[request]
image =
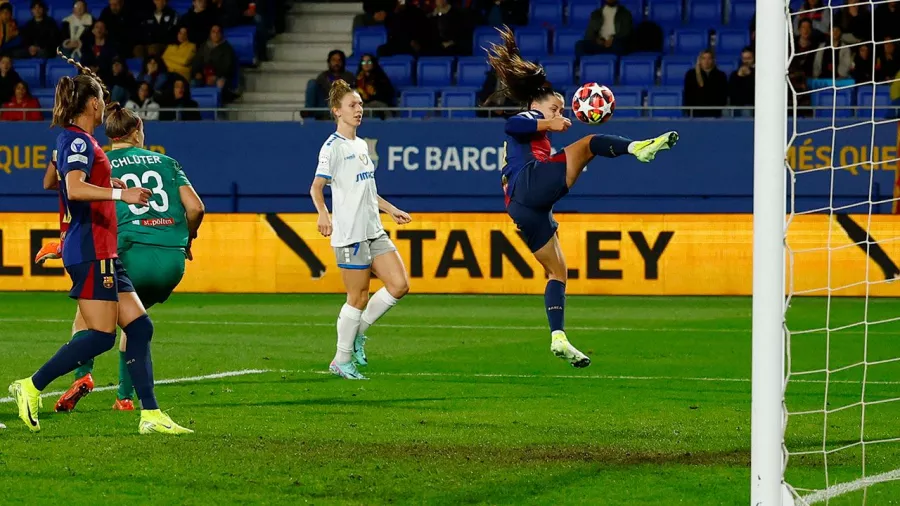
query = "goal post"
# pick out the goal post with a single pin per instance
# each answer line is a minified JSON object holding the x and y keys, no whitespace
{"x":769,"y":137}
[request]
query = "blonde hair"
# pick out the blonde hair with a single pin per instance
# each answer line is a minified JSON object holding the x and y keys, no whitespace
{"x":698,"y":74}
{"x":339,"y":89}
{"x":73,"y":93}
{"x":121,"y":123}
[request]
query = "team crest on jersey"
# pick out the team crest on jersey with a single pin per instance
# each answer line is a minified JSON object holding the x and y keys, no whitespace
{"x":373,"y":153}
{"x":107,"y":282}
{"x":78,"y":145}
{"x":364,"y":159}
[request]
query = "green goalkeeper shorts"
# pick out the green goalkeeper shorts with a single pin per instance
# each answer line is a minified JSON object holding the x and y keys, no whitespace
{"x":154,"y":271}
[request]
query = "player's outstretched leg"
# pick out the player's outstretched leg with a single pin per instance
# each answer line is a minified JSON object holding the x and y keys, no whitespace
{"x":390,"y":270}
{"x":582,"y":151}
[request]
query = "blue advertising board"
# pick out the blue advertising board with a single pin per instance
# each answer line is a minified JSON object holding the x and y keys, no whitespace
{"x":454,"y":165}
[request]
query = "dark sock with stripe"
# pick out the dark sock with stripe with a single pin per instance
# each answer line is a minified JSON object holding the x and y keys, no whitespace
{"x":555,"y":300}
{"x":126,"y":387}
{"x":609,"y":146}
{"x":83,"y":370}
{"x":137,"y":357}
{"x":73,"y":354}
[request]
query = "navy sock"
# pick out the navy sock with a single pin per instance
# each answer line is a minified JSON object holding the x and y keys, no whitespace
{"x":137,"y":357}
{"x":609,"y":146}
{"x":73,"y":354}
{"x":555,"y":300}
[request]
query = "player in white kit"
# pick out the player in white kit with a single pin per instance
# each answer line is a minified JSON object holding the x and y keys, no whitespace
{"x":360,"y":243}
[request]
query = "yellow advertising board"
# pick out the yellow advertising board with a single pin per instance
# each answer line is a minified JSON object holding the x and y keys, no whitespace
{"x":673,"y":254}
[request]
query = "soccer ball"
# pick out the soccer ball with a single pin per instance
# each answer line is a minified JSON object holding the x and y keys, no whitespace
{"x":593,"y":104}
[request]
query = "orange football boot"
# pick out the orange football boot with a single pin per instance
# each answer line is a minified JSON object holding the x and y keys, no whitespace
{"x":51,"y":250}
{"x":123,"y":405}
{"x":79,"y":389}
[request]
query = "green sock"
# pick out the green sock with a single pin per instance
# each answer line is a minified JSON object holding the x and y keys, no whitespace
{"x":126,"y":387}
{"x":83,"y":370}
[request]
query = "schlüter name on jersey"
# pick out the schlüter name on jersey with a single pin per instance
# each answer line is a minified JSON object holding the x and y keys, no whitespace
{"x":135,"y":160}
{"x":362,"y":176}
{"x":154,"y":222}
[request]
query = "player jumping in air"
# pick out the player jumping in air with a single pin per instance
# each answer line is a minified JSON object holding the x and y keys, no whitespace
{"x":103,"y":290}
{"x":359,"y":240}
{"x":154,"y":240}
{"x":533,"y":180}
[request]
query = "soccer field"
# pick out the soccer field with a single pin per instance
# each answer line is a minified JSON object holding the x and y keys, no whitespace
{"x":465,"y":405}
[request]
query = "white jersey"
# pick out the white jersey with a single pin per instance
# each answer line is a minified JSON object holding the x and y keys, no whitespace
{"x":354,"y":197}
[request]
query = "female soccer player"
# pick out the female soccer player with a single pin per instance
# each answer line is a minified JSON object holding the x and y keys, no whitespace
{"x":360,"y":242}
{"x":154,"y":241}
{"x":103,"y":290}
{"x":533,"y":181}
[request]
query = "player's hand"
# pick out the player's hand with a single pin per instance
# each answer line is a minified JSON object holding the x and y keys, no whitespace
{"x":560,"y":124}
{"x":324,"y":224}
{"x":136,"y":196}
{"x":51,"y":250}
{"x":400,"y":217}
{"x":118,"y":183}
{"x":187,"y":250}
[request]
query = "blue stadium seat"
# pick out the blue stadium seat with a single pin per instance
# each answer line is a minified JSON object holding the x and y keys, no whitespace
{"x":417,"y":98}
{"x":482,"y":39}
{"x":207,"y":97}
{"x":471,"y":70}
{"x":741,"y":13}
{"x":637,"y":71}
{"x":367,"y":39}
{"x":399,"y":69}
{"x":599,"y":69}
{"x":564,"y":40}
{"x":44,"y":96}
{"x":636,"y":8}
{"x":135,"y":65}
{"x":56,"y":69}
{"x":545,"y":12}
{"x":434,"y":71}
{"x":96,"y":9}
{"x":626,"y":98}
{"x":181,"y":6}
{"x":883,"y":108}
{"x":665,"y":97}
{"x":458,"y":98}
{"x":241,"y":39}
{"x":532,"y":41}
{"x":688,"y":41}
{"x":580,"y":13}
{"x":674,"y":68}
{"x":732,"y":41}
{"x":666,"y":13}
{"x":30,"y":72}
{"x":828,"y":99}
{"x":559,"y":70}
{"x":704,"y":13}
{"x":352,"y":64}
{"x":729,"y":65}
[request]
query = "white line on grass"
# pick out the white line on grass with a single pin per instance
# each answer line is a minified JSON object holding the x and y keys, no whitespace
{"x":218,"y":375}
{"x":845,"y":488}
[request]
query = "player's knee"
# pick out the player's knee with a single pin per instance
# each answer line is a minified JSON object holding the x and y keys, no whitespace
{"x":558,"y":272}
{"x":398,"y":288}
{"x":104,"y":341}
{"x":140,"y":329}
{"x":358,"y":299}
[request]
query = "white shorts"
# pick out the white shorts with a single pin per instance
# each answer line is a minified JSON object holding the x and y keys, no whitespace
{"x":360,"y":255}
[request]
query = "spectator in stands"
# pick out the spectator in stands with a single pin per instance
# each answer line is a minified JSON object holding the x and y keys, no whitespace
{"x":452,"y":30}
{"x":120,"y":82}
{"x":373,"y":85}
{"x":801,"y":67}
{"x":820,"y":19}
{"x":98,"y":50}
{"x":242,"y":13}
{"x":215,"y":62}
{"x":855,"y":22}
{"x":157,"y":30}
{"x":75,"y":26}
{"x":742,"y":85}
{"x":22,"y":99}
{"x":887,"y":21}
{"x":489,"y":96}
{"x":180,"y":56}
{"x":608,"y":30}
{"x":199,"y":21}
{"x":862,"y":70}
{"x":143,"y":104}
{"x":120,"y":25}
{"x":9,"y":32}
{"x":155,"y":73}
{"x":9,"y":78}
{"x":888,"y":63}
{"x":318,"y":88}
{"x":502,"y":12}
{"x":40,"y":35}
{"x":407,"y":31}
{"x":823,"y":65}
{"x":374,"y":12}
{"x":705,"y":86}
{"x":179,"y":99}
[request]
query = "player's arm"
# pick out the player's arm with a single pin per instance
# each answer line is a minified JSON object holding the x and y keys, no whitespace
{"x":194,"y":209}
{"x":51,"y":178}
{"x":523,"y":125}
{"x":399,"y":217}
{"x":78,"y":189}
{"x":324,"y":172}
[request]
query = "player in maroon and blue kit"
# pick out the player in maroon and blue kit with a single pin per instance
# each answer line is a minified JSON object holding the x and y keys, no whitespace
{"x":104,"y":293}
{"x":534,"y":180}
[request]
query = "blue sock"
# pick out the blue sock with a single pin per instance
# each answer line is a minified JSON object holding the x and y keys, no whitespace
{"x":137,"y":357}
{"x":609,"y":146}
{"x":75,"y":353}
{"x":555,"y":300}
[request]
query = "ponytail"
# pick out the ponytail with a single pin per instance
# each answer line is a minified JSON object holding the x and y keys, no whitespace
{"x":72,"y":93}
{"x":121,"y":123}
{"x":523,"y":81}
{"x":63,"y":102}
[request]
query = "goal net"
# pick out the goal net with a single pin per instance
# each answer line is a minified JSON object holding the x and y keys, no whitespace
{"x":841,"y":402}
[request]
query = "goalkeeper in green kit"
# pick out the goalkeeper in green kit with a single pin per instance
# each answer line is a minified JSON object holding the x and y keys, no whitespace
{"x":153,"y":240}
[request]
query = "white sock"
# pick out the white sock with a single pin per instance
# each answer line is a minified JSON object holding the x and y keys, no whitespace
{"x":347,"y":327}
{"x":381,"y":302}
{"x":631,"y":146}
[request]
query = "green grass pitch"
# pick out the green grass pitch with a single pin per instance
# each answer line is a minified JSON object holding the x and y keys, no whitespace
{"x":465,"y":405}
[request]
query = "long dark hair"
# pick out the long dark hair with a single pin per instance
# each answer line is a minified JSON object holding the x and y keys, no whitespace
{"x":522,"y":81}
{"x":73,"y":93}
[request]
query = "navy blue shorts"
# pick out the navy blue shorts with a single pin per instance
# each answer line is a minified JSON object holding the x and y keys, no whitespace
{"x":99,"y":280}
{"x":538,"y":187}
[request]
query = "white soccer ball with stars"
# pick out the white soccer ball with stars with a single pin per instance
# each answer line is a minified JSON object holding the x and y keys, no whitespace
{"x":593,"y":104}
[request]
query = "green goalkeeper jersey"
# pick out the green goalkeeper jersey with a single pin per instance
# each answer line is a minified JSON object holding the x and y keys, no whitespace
{"x":162,"y":222}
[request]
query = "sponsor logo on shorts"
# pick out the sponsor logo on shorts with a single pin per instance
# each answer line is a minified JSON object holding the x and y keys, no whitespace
{"x":157,"y":222}
{"x":107,"y":282}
